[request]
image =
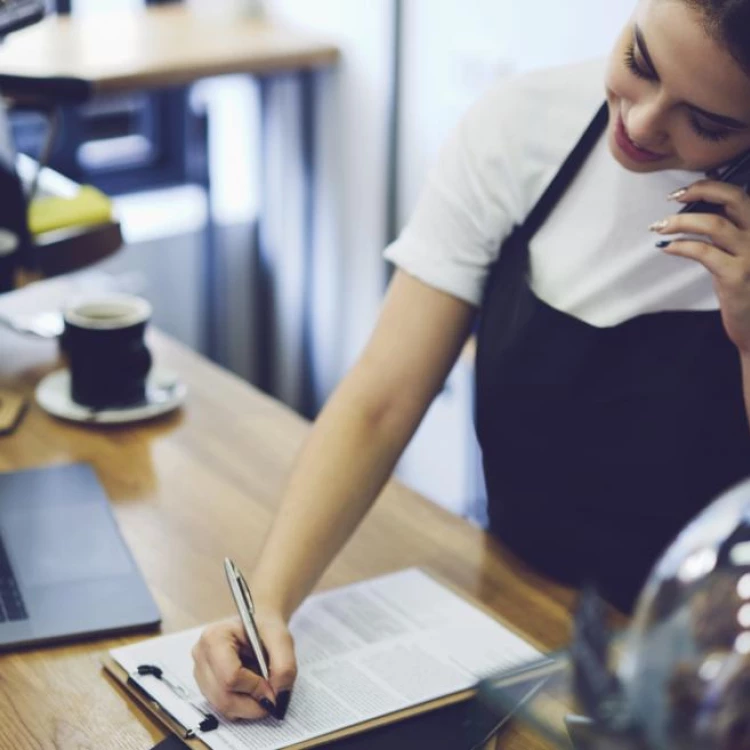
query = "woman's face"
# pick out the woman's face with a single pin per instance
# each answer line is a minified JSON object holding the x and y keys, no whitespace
{"x":677,"y":99}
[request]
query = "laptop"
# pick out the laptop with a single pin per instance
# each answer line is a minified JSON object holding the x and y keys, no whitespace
{"x":65,"y":570}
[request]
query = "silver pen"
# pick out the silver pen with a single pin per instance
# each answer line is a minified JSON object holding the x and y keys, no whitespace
{"x":246,"y":609}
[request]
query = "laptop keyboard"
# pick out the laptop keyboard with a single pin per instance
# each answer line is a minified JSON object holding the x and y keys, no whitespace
{"x":11,"y":603}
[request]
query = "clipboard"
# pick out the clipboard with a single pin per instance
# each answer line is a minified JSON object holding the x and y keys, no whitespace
{"x":189,"y":737}
{"x":187,"y":734}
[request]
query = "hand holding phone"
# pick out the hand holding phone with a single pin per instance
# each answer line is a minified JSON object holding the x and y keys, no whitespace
{"x":718,"y":238}
{"x":737,"y":173}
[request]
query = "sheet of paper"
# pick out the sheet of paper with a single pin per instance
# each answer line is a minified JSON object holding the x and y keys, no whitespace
{"x":364,"y":651}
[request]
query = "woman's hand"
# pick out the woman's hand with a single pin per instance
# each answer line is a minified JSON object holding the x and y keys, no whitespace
{"x":725,"y":253}
{"x":227,"y":676}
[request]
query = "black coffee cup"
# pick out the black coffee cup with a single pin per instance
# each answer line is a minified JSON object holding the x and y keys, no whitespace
{"x":103,"y":340}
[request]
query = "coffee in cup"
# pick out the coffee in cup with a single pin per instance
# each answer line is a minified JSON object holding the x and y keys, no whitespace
{"x":103,"y":340}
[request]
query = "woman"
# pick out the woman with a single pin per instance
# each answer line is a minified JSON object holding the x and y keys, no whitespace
{"x":613,"y":377}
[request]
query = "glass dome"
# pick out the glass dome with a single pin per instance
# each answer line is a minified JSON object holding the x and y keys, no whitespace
{"x":685,"y":667}
{"x":679,"y":677}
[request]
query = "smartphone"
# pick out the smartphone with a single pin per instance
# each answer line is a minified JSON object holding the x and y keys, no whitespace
{"x":737,"y":173}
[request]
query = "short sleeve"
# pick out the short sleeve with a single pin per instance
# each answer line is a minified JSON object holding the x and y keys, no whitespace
{"x":469,"y":204}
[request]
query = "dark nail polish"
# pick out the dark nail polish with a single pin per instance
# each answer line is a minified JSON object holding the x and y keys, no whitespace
{"x":282,"y":703}
{"x":663,"y":243}
{"x":268,"y":706}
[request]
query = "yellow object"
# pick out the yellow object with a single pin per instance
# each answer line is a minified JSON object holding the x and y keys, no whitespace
{"x":87,"y":208}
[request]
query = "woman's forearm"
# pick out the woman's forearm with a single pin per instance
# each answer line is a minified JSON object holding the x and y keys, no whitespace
{"x":341,"y":469}
{"x":359,"y":436}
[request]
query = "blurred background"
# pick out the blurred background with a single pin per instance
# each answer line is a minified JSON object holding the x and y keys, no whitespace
{"x":275,"y":272}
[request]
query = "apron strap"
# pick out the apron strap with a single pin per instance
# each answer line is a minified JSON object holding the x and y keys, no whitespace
{"x":509,"y":275}
{"x":569,"y":169}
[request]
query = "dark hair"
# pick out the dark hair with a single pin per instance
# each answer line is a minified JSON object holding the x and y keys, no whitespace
{"x":728,"y":21}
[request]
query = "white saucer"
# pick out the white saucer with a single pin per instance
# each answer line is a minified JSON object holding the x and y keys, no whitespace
{"x":164,"y":392}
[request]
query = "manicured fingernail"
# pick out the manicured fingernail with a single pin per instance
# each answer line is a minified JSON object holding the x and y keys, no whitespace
{"x":268,"y":706}
{"x":677,"y":194}
{"x":661,"y":245}
{"x":657,"y":226}
{"x":282,"y":703}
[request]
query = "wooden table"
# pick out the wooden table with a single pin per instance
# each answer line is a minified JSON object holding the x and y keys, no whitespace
{"x":155,"y":47}
{"x":191,"y":488}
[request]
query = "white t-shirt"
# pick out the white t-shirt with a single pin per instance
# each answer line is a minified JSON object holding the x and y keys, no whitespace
{"x":594,"y":258}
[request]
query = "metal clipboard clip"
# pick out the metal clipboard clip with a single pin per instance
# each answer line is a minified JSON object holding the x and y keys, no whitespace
{"x":208,"y":723}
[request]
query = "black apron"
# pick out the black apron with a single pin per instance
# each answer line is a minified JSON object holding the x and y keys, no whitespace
{"x":599,"y":444}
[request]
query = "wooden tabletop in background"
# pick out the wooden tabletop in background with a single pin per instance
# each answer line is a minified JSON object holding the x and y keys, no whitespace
{"x":189,"y":489}
{"x":156,"y":47}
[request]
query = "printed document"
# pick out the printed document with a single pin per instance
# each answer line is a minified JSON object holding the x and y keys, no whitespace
{"x":364,"y":651}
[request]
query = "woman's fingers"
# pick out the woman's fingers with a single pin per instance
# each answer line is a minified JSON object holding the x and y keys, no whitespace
{"x":282,"y":662}
{"x":228,"y":675}
{"x":722,"y":232}
{"x":720,"y":242}
{"x":230,"y":705}
{"x":732,"y":198}
{"x":715,"y":261}
{"x":220,"y":672}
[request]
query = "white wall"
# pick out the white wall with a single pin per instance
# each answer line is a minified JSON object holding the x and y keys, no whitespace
{"x":351,"y":173}
{"x":454,"y":49}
